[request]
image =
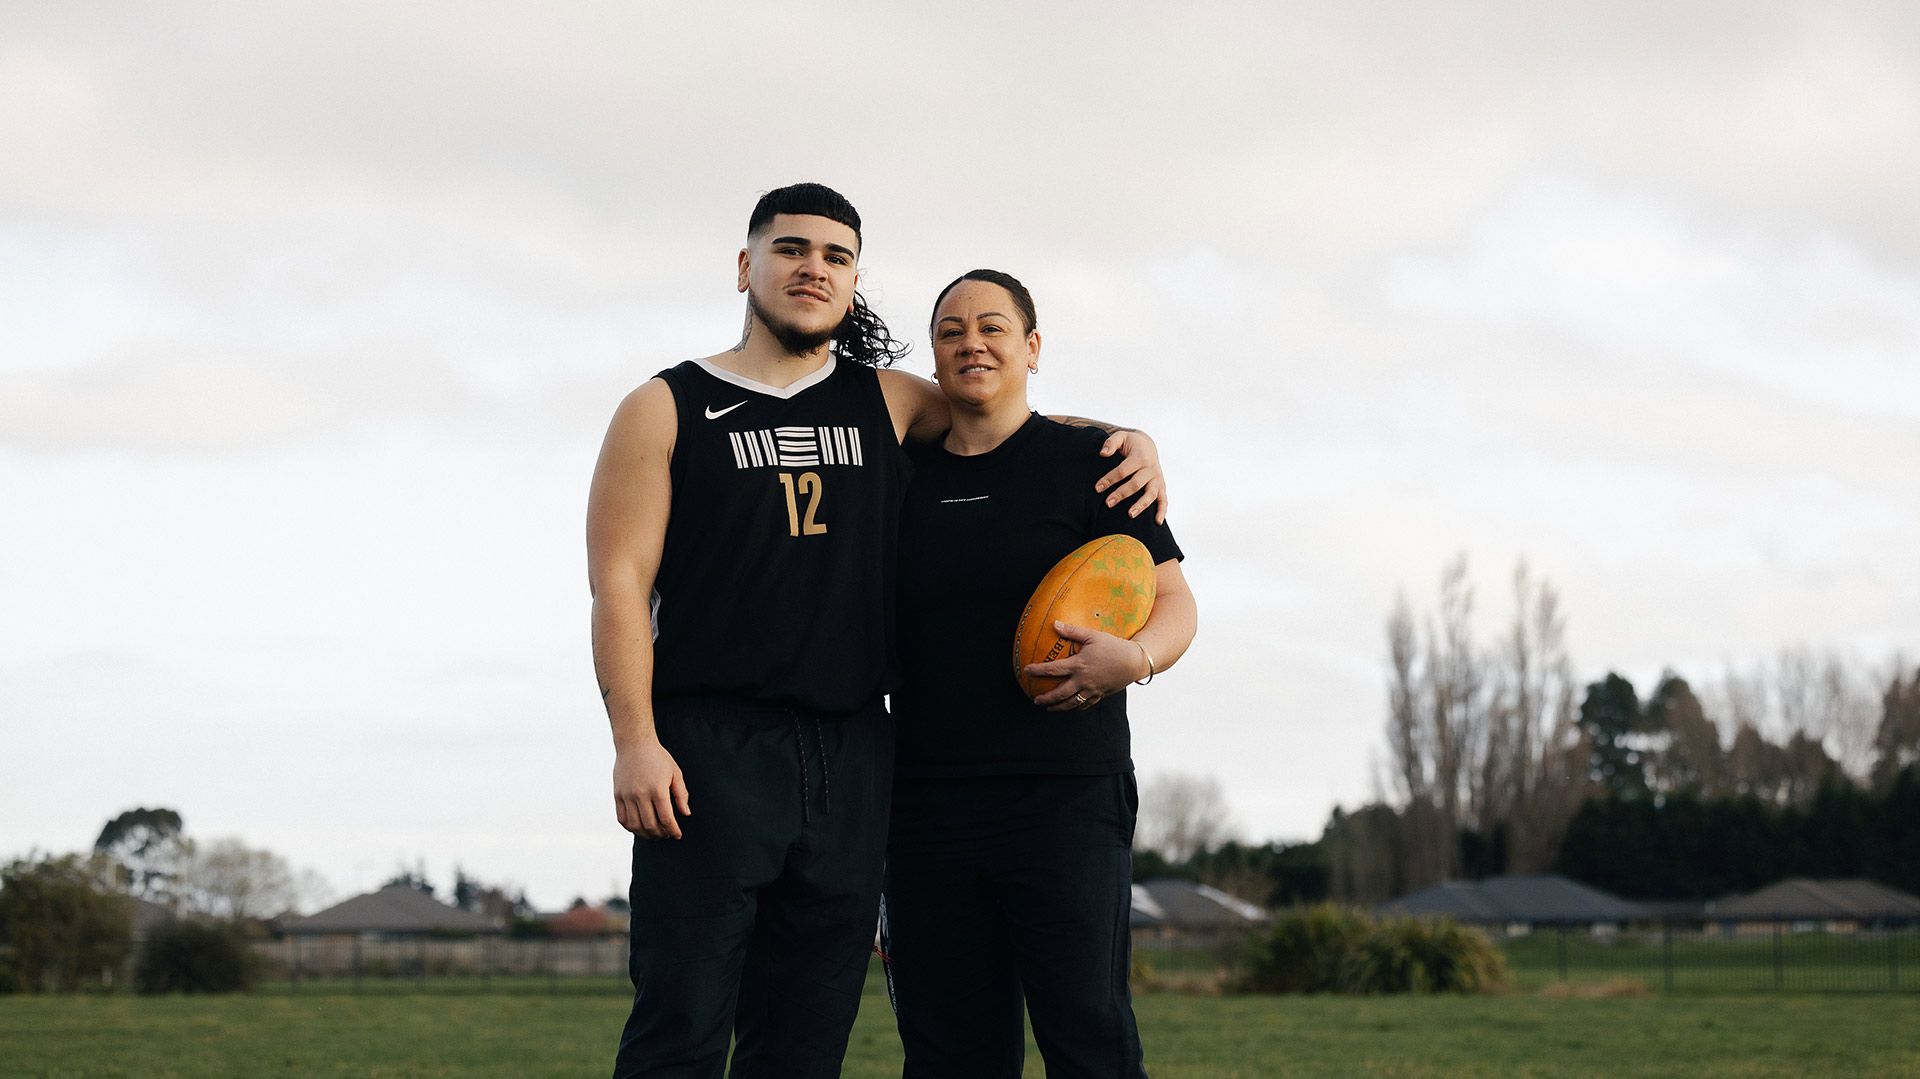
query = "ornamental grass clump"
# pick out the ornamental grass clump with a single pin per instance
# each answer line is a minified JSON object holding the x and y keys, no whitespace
{"x":1308,"y":950}
{"x":1331,"y":949}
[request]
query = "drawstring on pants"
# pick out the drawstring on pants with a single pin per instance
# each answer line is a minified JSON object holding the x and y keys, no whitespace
{"x":826,"y":776}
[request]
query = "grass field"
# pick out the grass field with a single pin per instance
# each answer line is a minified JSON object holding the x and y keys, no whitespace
{"x":571,"y":1034}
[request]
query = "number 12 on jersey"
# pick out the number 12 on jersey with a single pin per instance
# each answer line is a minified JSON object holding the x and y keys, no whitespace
{"x":808,"y":486}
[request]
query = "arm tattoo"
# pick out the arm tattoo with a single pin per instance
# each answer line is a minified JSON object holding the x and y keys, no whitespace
{"x":1082,"y":421}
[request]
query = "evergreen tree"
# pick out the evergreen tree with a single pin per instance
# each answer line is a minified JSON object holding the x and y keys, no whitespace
{"x":1610,"y":718}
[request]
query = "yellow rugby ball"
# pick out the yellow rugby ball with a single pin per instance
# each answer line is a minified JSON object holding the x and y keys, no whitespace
{"x":1106,"y":584}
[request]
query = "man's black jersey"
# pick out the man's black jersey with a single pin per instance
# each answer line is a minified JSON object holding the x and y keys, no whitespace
{"x":776,"y":580}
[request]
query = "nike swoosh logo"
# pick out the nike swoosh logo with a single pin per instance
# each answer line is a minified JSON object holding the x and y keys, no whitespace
{"x":712,"y":415}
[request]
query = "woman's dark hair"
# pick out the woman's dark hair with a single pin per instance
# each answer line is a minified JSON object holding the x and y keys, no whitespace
{"x":1021,"y":297}
{"x":861,"y":337}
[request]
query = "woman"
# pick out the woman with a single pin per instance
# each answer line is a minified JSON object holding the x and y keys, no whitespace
{"x":1009,"y":861}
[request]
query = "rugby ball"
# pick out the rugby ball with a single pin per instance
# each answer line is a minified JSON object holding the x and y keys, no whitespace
{"x":1106,"y":584}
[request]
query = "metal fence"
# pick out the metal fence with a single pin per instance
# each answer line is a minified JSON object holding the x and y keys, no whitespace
{"x":1677,"y":956}
{"x":434,"y":964}
{"x":1753,"y":956}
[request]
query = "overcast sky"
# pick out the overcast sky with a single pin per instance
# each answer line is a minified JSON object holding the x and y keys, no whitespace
{"x":312,"y":317}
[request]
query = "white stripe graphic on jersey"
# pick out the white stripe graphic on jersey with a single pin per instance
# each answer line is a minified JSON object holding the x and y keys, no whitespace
{"x":799,"y":446}
{"x":796,"y":447}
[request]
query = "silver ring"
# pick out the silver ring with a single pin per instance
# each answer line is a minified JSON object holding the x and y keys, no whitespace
{"x":1081,"y":697}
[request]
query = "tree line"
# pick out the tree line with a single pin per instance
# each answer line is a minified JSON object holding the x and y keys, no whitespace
{"x":1499,"y":760}
{"x":1493,"y":767}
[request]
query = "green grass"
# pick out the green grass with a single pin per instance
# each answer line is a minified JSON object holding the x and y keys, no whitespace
{"x":531,"y":1033}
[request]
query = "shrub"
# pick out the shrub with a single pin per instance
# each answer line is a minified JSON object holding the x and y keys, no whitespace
{"x":1329,"y":949}
{"x":1460,"y":959}
{"x":1308,"y":950}
{"x":196,"y":957}
{"x":60,"y":929}
{"x":1414,"y":955}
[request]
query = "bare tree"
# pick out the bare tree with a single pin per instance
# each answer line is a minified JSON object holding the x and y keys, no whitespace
{"x":1365,"y":855}
{"x":1824,"y":696}
{"x":1754,"y":765}
{"x":1738,"y":700}
{"x":1456,"y":680}
{"x":1548,"y":773}
{"x":1845,"y":708}
{"x":1406,"y":729}
{"x":1180,"y":815}
{"x":1896,"y":742}
{"x":225,"y":878}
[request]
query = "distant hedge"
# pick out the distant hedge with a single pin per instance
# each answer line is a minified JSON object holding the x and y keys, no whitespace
{"x":61,"y":930}
{"x":1334,"y":949}
{"x":196,"y":957}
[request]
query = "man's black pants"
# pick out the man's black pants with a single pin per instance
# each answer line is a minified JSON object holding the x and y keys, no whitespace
{"x":1001,"y":888}
{"x":759,"y":922}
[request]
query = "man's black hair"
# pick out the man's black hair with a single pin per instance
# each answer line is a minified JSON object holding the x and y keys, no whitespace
{"x":814,"y":200}
{"x":861,"y":336}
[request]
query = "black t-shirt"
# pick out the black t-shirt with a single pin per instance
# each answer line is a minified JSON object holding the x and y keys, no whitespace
{"x":776,"y":579}
{"x":976,"y":536}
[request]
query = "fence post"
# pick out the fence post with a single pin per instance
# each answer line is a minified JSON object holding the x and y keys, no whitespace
{"x":553,"y":975}
{"x":356,"y":963}
{"x":1779,"y":966}
{"x":486,"y":963}
{"x":1893,"y":957}
{"x":420,"y":976}
{"x":1666,"y":955}
{"x":1560,"y":947}
{"x":294,"y":942}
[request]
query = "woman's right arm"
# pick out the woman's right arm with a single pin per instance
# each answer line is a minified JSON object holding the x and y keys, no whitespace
{"x":1105,"y":663}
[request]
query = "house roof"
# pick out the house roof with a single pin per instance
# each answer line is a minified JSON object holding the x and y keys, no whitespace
{"x":1182,"y":904}
{"x":397,"y":908}
{"x":585,"y":921}
{"x":1825,"y":900}
{"x":1146,"y":913}
{"x":147,"y":916}
{"x":1537,"y":900}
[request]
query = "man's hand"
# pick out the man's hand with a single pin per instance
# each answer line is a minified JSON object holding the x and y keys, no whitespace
{"x":1138,"y":471}
{"x":647,"y":788}
{"x":1105,"y":663}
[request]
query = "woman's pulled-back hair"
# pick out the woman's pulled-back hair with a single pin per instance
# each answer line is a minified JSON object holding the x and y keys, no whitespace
{"x":1021,"y":297}
{"x":861,"y":337}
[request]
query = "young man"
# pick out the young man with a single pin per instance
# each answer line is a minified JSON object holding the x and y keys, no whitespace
{"x":740,"y":537}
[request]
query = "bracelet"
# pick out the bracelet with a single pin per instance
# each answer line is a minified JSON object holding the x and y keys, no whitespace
{"x":1150,"y":671}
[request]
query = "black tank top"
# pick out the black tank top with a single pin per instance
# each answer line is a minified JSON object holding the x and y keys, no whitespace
{"x":776,"y":581}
